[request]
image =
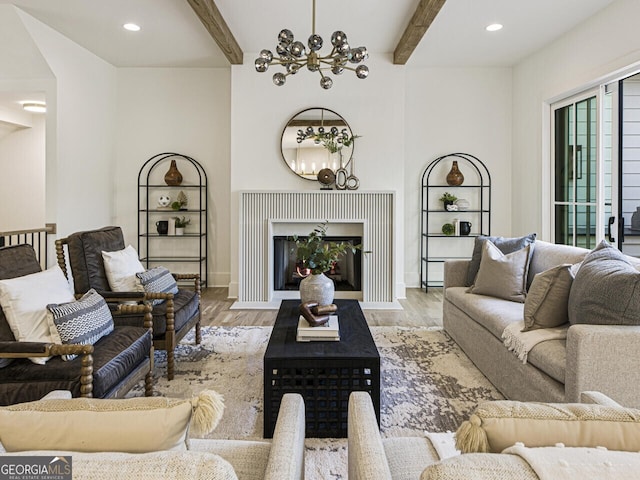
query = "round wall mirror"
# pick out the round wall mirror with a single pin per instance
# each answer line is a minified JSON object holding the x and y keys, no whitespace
{"x":314,"y":139}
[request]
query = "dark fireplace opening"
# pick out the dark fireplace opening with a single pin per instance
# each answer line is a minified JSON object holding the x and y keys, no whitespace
{"x":346,"y":272}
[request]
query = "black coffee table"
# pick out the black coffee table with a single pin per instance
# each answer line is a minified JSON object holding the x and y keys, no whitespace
{"x":324,"y":373}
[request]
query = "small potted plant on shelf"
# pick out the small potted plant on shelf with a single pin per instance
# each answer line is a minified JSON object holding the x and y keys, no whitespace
{"x":319,"y":256}
{"x":448,"y":199}
{"x":181,"y":223}
{"x":181,"y":202}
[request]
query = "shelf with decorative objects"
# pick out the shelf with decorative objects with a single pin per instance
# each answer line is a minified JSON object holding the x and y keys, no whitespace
{"x":172,"y":214}
{"x":455,"y":208}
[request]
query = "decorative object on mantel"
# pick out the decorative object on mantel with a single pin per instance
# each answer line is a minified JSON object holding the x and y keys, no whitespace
{"x":455,"y":176}
{"x":635,"y":219}
{"x":319,"y":256}
{"x":173,"y":177}
{"x":292,"y":55}
{"x":448,"y":200}
{"x":326,"y":177}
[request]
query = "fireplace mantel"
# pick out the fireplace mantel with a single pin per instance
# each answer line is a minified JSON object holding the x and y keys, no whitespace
{"x":259,"y":210}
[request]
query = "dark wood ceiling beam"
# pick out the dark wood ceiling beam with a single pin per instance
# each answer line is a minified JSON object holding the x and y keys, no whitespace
{"x":210,"y":16}
{"x":417,"y":27}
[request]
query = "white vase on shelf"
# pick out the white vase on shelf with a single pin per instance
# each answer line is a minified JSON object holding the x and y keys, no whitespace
{"x":179,"y":231}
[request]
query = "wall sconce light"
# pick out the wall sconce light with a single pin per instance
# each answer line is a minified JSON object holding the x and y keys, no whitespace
{"x":35,"y":107}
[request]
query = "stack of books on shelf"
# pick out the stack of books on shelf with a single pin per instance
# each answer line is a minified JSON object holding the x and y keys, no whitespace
{"x":329,"y":332}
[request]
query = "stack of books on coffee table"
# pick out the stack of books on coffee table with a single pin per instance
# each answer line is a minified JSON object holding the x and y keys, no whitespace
{"x":329,"y":332}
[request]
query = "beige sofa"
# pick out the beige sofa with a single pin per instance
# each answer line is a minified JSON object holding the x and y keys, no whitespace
{"x":282,"y":458}
{"x":372,"y":457}
{"x":592,"y":357}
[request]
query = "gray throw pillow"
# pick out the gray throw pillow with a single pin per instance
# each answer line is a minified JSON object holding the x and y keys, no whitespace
{"x":502,"y":276}
{"x":546,"y":305}
{"x":158,"y":280}
{"x":505,"y":244}
{"x":606,"y":290}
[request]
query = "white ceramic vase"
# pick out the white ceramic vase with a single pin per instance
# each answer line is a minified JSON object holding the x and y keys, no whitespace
{"x":317,"y":288}
{"x":179,"y":230}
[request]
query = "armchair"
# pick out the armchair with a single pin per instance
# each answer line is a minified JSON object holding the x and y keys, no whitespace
{"x":107,"y":369}
{"x":172,"y":319}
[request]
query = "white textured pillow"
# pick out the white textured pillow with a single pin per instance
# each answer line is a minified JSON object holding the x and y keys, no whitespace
{"x":25,"y":299}
{"x":500,"y":275}
{"x":121,"y":267}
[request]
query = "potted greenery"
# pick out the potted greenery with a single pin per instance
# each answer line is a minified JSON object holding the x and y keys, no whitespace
{"x":181,"y":223}
{"x":448,"y":199}
{"x":319,"y":256}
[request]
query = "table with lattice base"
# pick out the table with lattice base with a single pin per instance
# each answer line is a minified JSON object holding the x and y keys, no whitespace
{"x":324,"y":373}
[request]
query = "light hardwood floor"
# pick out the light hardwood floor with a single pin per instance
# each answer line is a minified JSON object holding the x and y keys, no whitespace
{"x":420,"y":309}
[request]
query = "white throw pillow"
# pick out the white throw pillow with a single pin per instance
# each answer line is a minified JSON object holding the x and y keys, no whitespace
{"x":121,"y":268}
{"x":25,"y":299}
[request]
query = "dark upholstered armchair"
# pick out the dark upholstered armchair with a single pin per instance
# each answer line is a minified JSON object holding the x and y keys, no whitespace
{"x":107,"y":369}
{"x":172,"y":319}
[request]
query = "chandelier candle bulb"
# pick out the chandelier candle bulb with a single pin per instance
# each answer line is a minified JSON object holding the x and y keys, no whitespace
{"x":293,"y":55}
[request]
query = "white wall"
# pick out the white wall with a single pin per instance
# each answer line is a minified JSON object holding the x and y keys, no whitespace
{"x":456,"y":110}
{"x":22,"y":161}
{"x":80,"y":126}
{"x":598,"y":47}
{"x":374,"y":108}
{"x":22,"y":153}
{"x":183,"y":111}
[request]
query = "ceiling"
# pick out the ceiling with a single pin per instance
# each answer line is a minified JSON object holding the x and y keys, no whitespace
{"x":173,"y":36}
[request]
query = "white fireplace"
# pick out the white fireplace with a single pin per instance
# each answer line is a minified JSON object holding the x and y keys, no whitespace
{"x":263,"y":215}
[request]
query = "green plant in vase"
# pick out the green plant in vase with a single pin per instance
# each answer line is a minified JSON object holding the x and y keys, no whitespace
{"x":181,"y":223}
{"x":448,"y":199}
{"x":319,"y":256}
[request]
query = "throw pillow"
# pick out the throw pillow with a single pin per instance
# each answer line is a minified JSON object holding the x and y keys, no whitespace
{"x":505,"y":244}
{"x":547,"y":302}
{"x":499,"y":424}
{"x":133,"y":425}
{"x":121,"y":267}
{"x":82,"y":322}
{"x":502,"y":276}
{"x":606,"y":290}
{"x":158,"y":280}
{"x":153,"y":465}
{"x":25,"y":299}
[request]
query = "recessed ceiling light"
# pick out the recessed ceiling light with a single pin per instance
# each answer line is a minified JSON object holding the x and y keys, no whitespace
{"x":132,"y":27}
{"x":35,"y":107}
{"x":494,"y":27}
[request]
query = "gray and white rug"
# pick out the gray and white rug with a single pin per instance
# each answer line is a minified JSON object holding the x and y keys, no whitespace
{"x":428,"y":384}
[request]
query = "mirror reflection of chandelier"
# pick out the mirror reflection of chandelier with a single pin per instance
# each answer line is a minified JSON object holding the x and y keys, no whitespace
{"x":293,"y":55}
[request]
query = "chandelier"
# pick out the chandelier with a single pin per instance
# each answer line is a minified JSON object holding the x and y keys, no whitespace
{"x":293,"y":55}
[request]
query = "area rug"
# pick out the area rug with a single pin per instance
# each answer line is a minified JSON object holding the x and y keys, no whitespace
{"x":427,"y":384}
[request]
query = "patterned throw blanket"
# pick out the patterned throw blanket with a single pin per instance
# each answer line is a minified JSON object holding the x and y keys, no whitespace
{"x":521,"y":343}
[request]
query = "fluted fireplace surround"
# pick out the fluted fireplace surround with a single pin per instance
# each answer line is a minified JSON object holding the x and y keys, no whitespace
{"x":264,"y":215}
